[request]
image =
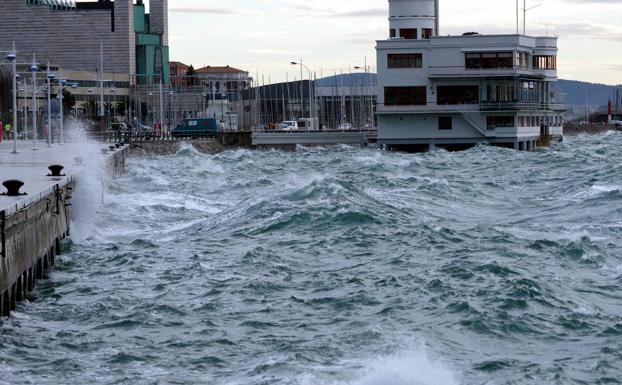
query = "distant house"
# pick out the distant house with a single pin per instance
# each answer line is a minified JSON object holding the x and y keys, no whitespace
{"x":224,"y":80}
{"x":178,"y":73}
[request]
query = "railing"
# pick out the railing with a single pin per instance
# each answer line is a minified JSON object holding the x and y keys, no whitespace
{"x":479,"y":71}
{"x":471,"y":107}
{"x":521,"y":106}
{"x":308,"y":131}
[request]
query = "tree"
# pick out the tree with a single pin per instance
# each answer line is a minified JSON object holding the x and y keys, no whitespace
{"x":191,"y":76}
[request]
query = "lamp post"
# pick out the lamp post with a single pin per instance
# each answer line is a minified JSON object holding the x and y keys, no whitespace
{"x":12,"y":57}
{"x":61,"y":83}
{"x":50,"y":77}
{"x":311,"y":101}
{"x":113,"y":91}
{"x":34,"y":69}
{"x":74,"y":87}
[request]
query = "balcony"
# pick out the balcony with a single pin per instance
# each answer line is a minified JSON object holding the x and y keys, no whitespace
{"x":427,"y":109}
{"x":476,"y":107}
{"x":521,"y":106}
{"x":463,"y":72}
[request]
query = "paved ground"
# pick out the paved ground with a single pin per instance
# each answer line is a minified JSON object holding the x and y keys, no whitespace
{"x":31,"y":167}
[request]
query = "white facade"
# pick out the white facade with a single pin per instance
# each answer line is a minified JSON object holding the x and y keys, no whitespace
{"x":455,"y":91}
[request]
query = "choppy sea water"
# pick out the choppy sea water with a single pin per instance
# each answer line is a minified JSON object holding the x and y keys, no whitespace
{"x":337,"y":266}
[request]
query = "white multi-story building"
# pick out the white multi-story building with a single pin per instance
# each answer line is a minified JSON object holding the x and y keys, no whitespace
{"x":457,"y":91}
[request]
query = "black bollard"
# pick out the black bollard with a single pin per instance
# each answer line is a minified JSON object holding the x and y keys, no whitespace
{"x":56,"y":169}
{"x":12,"y":187}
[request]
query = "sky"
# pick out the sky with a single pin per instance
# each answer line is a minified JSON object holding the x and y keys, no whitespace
{"x":264,"y":36}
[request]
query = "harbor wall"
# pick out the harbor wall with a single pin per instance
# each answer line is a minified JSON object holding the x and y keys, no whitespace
{"x":30,"y":242}
{"x":31,"y":234}
{"x":576,"y":129}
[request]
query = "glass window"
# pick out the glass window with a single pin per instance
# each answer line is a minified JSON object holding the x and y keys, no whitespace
{"x":489,"y":60}
{"x":405,"y":96}
{"x":426,"y":33}
{"x":405,"y":60}
{"x":457,"y":94}
{"x":445,"y":123}
{"x":545,"y":62}
{"x":408,"y":33}
{"x":500,"y":121}
{"x":392,"y":33}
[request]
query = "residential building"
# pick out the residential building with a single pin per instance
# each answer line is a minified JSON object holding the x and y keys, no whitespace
{"x":458,"y":91}
{"x":224,"y":80}
{"x":178,"y":72}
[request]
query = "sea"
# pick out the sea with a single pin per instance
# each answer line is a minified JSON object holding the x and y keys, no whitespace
{"x":336,"y":266}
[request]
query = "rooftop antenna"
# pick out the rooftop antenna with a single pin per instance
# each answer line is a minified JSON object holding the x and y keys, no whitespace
{"x":517,"y":17}
{"x":525,"y":10}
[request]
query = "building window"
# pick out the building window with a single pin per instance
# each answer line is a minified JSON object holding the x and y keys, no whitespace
{"x":500,"y":121}
{"x":488,"y":60}
{"x":392,"y":33}
{"x":445,"y":123}
{"x":405,"y":96}
{"x":408,"y":33}
{"x":545,"y":62}
{"x":405,"y":60}
{"x":523,"y":59}
{"x":457,"y":94}
{"x":426,"y":33}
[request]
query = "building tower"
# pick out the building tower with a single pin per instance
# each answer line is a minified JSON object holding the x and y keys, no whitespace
{"x":413,"y":19}
{"x":158,"y":19}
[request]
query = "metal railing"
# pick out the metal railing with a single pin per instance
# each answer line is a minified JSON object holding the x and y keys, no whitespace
{"x":472,"y":107}
{"x":477,"y":71}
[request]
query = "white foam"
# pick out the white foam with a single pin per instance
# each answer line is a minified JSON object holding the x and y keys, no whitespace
{"x":413,"y":366}
{"x":409,"y":368}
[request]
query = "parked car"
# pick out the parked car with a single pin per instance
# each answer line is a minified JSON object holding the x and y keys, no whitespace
{"x":288,"y":125}
{"x":344,"y":127}
{"x":197,"y":127}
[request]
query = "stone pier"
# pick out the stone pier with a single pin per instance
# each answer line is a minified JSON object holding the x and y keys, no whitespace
{"x":33,"y":226}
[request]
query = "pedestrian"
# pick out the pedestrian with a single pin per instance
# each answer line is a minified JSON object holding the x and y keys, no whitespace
{"x":7,"y":129}
{"x":1,"y":132}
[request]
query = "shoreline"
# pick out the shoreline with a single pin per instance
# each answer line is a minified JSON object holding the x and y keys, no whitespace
{"x":593,"y":129}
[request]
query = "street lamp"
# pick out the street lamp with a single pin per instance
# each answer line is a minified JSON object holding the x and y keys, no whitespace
{"x":311,"y":101}
{"x":12,"y":57}
{"x":74,"y":86}
{"x":113,"y":91}
{"x":34,"y":69}
{"x":61,"y":83}
{"x":204,"y":94}
{"x":50,"y":77}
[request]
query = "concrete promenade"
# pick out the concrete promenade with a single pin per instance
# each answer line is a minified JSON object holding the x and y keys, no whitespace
{"x":31,"y":167}
{"x":32,"y":226}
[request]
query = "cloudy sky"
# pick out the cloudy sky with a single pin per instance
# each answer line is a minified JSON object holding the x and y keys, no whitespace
{"x":331,"y":35}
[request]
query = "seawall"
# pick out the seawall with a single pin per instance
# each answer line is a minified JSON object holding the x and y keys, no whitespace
{"x":33,"y":226}
{"x":575,"y":129}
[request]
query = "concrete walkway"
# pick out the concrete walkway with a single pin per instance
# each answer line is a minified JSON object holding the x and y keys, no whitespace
{"x":31,"y":167}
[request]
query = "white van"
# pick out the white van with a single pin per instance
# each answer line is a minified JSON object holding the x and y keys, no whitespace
{"x":288,"y":125}
{"x":308,"y":124}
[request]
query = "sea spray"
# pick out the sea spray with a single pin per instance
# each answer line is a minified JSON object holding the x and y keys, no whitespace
{"x":414,"y":367}
{"x":92,"y":177}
